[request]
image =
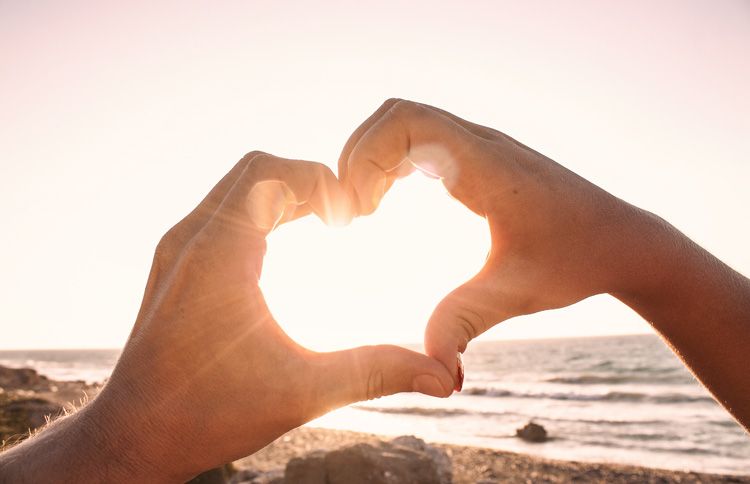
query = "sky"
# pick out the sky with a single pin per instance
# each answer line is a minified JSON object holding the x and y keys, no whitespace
{"x":117,"y":117}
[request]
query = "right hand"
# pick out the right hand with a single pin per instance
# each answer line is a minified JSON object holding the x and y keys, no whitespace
{"x":207,"y":373}
{"x":555,"y":236}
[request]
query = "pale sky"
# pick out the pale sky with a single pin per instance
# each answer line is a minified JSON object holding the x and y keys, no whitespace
{"x":117,"y":117}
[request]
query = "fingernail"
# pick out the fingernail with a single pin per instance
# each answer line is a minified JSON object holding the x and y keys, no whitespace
{"x":429,"y":385}
{"x":460,"y":373}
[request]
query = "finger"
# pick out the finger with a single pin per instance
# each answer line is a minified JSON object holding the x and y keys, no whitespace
{"x":358,"y":133}
{"x":464,"y":314}
{"x":410,"y":133}
{"x":202,"y":213}
{"x":485,"y":132}
{"x":352,"y":142}
{"x":370,"y":372}
{"x":474,"y":128}
{"x":272,"y":190}
{"x":479,"y":130}
{"x":181,"y":233}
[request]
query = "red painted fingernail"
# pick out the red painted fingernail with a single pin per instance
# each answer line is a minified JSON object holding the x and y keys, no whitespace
{"x":460,"y":373}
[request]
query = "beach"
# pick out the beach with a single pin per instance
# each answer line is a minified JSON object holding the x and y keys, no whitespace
{"x":27,"y":397}
{"x":474,"y":464}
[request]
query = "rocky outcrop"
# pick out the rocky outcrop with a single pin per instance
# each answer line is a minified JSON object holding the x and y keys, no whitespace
{"x":532,"y":432}
{"x":310,"y":469}
{"x":22,"y":378}
{"x":18,"y":416}
{"x":218,"y":475}
{"x":440,"y":457}
{"x":249,"y":476}
{"x":379,"y":464}
{"x":32,"y":413}
{"x":403,"y":460}
{"x":28,"y":398}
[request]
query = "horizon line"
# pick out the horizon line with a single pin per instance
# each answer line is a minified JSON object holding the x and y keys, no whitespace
{"x":400,"y":343}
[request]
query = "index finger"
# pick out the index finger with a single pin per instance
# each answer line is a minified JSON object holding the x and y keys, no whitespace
{"x":413,"y":134}
{"x":272,"y":190}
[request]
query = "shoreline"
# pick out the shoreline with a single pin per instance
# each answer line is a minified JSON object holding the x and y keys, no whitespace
{"x":478,"y":464}
{"x":26,"y":397}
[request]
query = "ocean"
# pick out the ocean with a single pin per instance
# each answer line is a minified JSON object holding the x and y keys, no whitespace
{"x":624,"y":399}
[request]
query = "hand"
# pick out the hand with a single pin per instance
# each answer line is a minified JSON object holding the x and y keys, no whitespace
{"x":207,"y":375}
{"x":552,"y":232}
{"x":556,"y":239}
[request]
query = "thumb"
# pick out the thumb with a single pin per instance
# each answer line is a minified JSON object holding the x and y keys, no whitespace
{"x":370,"y":372}
{"x":461,"y":316}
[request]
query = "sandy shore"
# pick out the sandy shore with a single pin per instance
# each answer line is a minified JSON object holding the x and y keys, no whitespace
{"x":478,"y":465}
{"x":26,"y":398}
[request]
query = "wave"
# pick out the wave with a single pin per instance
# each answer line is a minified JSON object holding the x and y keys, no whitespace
{"x":597,"y":397}
{"x":618,"y":379}
{"x":653,"y":448}
{"x":429,"y":412}
{"x":616,"y":423}
{"x":458,"y":412}
{"x":587,"y":379}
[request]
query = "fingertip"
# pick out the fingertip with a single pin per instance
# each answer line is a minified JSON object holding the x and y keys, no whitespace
{"x":341,"y":213}
{"x":431,"y":385}
{"x":368,"y":185}
{"x":365,"y":205}
{"x":331,"y":201}
{"x":443,"y":348}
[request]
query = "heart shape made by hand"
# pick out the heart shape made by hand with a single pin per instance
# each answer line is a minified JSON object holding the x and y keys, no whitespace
{"x":378,"y":279}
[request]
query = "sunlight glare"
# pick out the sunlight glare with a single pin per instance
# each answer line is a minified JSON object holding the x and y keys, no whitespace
{"x":378,"y":279}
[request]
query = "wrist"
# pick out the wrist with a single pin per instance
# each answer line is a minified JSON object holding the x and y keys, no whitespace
{"x":92,"y":445}
{"x":122,"y":448}
{"x":649,"y":258}
{"x":76,"y":448}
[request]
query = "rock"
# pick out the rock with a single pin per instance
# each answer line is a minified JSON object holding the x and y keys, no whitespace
{"x":275,"y":476}
{"x":217,"y":475}
{"x":245,"y":475}
{"x":20,"y":415}
{"x":532,"y":432}
{"x":249,"y":476}
{"x":35,"y":411}
{"x":401,"y":461}
{"x":310,"y":469}
{"x":382,"y":464}
{"x":25,"y":378}
{"x":439,"y":456}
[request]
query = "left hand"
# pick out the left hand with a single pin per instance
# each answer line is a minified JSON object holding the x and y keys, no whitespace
{"x":207,"y":375}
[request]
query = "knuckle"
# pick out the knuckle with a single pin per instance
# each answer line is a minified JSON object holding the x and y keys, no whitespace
{"x":249,"y":157}
{"x":168,"y":244}
{"x":263,"y":166}
{"x":318,"y":166}
{"x":390,"y":102}
{"x":375,"y":384}
{"x":320,"y":170}
{"x":262,"y":160}
{"x":405,"y":108}
{"x":375,"y":376}
{"x":469,"y":323}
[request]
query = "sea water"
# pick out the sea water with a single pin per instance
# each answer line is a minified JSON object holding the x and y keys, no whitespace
{"x":624,"y":399}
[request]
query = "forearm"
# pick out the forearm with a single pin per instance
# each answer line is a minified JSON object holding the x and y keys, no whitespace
{"x":697,"y":303}
{"x":84,"y":447}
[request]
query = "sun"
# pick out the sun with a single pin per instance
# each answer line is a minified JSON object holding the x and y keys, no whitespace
{"x":378,"y":279}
